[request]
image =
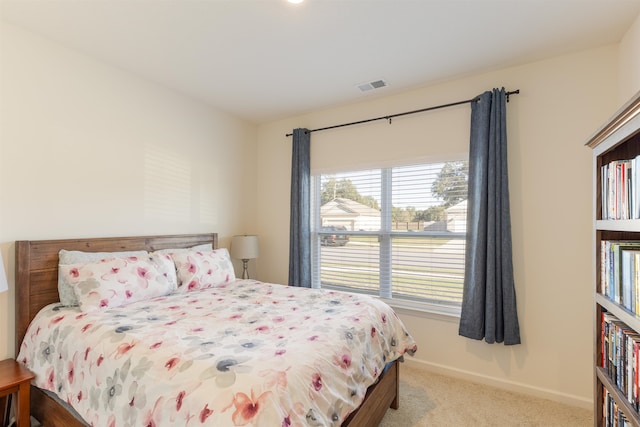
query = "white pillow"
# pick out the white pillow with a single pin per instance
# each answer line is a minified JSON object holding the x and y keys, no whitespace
{"x":65,"y":290}
{"x":203,"y":247}
{"x":115,"y":282}
{"x":203,"y":269}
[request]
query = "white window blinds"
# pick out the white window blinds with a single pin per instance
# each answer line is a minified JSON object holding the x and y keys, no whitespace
{"x":395,"y":232}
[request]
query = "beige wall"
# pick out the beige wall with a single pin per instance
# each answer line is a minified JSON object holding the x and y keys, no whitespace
{"x":89,"y":150}
{"x":629,"y":62}
{"x":562,"y":101}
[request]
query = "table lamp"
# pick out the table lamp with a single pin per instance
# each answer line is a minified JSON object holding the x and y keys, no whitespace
{"x":245,"y":248}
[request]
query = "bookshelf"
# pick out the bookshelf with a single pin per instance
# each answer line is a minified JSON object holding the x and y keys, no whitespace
{"x":617,"y":267}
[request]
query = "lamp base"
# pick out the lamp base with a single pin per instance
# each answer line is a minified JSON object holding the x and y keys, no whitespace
{"x":245,"y":269}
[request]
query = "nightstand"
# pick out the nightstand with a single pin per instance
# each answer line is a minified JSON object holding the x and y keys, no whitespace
{"x":15,"y":378}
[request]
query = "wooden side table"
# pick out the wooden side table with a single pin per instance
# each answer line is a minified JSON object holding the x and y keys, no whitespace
{"x":15,"y":378}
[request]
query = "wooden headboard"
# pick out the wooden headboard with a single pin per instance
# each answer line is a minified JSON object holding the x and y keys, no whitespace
{"x":37,"y":266}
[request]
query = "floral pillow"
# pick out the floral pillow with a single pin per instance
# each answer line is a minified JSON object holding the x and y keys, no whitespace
{"x":65,"y":290}
{"x":203,"y":269}
{"x":114,"y":282}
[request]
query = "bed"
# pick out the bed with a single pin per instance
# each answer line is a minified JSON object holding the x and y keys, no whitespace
{"x":375,"y":384}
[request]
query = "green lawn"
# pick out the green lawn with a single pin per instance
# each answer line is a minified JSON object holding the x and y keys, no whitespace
{"x":432,"y":276}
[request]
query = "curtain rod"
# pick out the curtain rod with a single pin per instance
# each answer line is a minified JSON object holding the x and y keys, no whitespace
{"x":389,"y":117}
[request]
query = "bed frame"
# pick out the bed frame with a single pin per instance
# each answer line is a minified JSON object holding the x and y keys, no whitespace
{"x":37,"y":286}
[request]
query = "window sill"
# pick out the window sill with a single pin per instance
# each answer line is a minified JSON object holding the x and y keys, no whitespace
{"x":445,"y":312}
{"x":434,"y":311}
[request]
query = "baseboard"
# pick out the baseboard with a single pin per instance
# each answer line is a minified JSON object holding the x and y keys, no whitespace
{"x":539,"y":392}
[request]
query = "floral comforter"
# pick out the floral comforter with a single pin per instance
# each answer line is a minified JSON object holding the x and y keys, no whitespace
{"x":245,"y":353}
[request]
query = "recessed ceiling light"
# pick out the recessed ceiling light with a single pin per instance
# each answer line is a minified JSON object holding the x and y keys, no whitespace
{"x":295,"y":1}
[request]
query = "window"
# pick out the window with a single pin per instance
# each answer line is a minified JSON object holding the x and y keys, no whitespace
{"x":398,"y":232}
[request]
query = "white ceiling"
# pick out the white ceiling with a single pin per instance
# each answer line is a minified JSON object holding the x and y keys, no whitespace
{"x":266,"y":59}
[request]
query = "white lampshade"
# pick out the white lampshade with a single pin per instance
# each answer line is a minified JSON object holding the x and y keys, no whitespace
{"x":4,"y":286}
{"x":244,"y":247}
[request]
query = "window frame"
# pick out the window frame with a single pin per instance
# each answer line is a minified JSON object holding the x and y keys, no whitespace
{"x":385,"y":236}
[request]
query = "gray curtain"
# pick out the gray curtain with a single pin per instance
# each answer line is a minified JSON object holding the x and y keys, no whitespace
{"x":489,"y":299}
{"x":299,"y":237}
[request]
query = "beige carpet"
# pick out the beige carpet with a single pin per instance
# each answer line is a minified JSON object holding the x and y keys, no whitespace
{"x":428,"y":399}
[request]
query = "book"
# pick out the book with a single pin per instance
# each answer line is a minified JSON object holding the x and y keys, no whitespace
{"x":628,"y":276}
{"x":620,"y":195}
{"x":620,"y":272}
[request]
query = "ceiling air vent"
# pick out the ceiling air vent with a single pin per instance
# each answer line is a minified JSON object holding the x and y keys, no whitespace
{"x":376,"y":84}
